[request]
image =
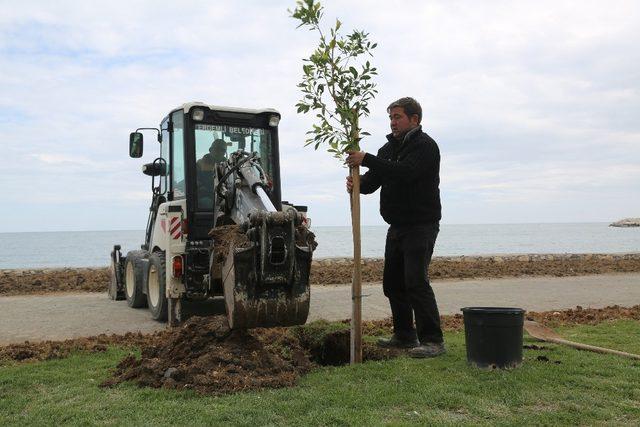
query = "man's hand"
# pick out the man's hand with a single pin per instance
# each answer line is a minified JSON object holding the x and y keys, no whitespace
{"x":355,"y":158}
{"x":349,"y":184}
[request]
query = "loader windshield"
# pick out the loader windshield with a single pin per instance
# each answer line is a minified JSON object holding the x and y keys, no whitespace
{"x":214,"y":143}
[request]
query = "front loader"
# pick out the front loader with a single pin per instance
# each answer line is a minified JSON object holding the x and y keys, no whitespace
{"x":217,"y":228}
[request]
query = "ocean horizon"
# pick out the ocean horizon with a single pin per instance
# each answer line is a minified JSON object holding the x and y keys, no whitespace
{"x":50,"y":249}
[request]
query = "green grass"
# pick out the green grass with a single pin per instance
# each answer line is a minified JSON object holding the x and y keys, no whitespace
{"x":586,"y":388}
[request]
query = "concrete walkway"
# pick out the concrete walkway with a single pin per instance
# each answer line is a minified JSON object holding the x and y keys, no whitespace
{"x":62,"y":316}
{"x":530,"y":293}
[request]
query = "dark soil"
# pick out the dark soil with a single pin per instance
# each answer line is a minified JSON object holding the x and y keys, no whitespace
{"x":204,"y":355}
{"x":339,"y":271}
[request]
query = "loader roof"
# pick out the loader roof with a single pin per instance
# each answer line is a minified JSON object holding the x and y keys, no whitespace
{"x":187,"y":106}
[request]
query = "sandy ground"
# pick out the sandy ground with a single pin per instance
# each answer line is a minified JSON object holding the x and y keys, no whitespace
{"x":62,"y":316}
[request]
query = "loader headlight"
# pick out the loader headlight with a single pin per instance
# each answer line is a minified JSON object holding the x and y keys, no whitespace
{"x":197,"y":115}
{"x":274,"y":120}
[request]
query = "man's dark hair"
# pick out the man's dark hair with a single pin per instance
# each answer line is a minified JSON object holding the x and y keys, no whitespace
{"x":409,"y":105}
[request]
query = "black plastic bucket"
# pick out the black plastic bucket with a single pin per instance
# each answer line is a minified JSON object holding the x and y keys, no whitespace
{"x":493,"y":336}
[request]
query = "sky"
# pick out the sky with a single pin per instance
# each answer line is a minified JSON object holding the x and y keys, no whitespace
{"x":535,"y":105}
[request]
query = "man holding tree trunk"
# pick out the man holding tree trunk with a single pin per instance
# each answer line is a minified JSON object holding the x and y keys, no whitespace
{"x":407,"y":169}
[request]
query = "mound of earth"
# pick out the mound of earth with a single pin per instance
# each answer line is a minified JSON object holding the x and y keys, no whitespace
{"x":205,"y":356}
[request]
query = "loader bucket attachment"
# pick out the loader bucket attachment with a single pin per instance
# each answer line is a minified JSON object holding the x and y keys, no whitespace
{"x":266,"y":283}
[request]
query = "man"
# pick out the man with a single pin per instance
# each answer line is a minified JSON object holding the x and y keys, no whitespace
{"x":407,"y":169}
{"x":205,"y":169}
{"x":217,"y":153}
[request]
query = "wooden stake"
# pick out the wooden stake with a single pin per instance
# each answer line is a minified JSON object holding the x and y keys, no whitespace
{"x":356,"y":283}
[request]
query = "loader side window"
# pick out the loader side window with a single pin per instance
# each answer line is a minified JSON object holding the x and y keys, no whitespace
{"x":177,"y":157}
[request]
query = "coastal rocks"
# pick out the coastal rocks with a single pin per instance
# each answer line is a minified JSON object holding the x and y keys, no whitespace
{"x":627,"y":222}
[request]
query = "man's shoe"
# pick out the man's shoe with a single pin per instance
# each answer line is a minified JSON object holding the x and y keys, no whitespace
{"x":430,"y":349}
{"x":395,"y":342}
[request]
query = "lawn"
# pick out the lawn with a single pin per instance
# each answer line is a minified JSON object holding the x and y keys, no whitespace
{"x":572,"y":387}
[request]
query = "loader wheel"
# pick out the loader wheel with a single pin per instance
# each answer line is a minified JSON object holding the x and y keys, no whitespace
{"x":133,"y":276}
{"x":156,"y":291}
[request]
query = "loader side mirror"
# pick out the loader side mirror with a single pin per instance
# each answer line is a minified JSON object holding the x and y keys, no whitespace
{"x":135,"y":145}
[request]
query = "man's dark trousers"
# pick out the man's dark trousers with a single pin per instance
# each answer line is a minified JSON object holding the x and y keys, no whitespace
{"x":405,"y":281}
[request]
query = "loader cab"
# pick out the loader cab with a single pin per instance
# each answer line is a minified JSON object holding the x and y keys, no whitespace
{"x":195,"y":137}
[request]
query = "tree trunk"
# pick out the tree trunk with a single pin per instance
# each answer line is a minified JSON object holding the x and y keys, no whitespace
{"x":356,"y":284}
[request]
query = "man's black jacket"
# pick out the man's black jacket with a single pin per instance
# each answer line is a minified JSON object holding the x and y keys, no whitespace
{"x":408,"y":171}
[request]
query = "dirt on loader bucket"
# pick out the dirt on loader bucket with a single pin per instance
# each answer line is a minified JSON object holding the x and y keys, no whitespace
{"x":226,"y":236}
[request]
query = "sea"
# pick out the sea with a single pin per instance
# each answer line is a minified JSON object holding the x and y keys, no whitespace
{"x":92,"y":248}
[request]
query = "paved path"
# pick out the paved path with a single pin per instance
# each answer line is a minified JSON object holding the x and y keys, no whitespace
{"x":64,"y":316}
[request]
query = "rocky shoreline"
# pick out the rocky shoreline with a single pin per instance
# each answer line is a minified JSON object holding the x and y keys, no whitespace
{"x":626,"y":222}
{"x":332,"y":271}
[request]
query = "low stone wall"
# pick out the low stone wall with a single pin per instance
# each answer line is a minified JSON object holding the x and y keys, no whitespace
{"x":40,"y":281}
{"x":330,"y":271}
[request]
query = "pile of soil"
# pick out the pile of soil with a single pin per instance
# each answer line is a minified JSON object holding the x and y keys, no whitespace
{"x":205,"y":356}
{"x":336,"y":271}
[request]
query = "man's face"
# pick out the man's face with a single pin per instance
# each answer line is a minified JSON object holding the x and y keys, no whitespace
{"x":218,"y":151}
{"x":400,"y":122}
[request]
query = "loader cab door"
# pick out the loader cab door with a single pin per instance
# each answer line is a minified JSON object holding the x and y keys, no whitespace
{"x":172,"y":186}
{"x":172,"y":153}
{"x":178,"y":189}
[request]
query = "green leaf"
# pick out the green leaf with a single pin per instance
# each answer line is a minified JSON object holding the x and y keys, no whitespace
{"x":332,"y":69}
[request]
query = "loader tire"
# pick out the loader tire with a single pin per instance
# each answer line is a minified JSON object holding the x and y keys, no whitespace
{"x":133,"y":277}
{"x":157,"y":287}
